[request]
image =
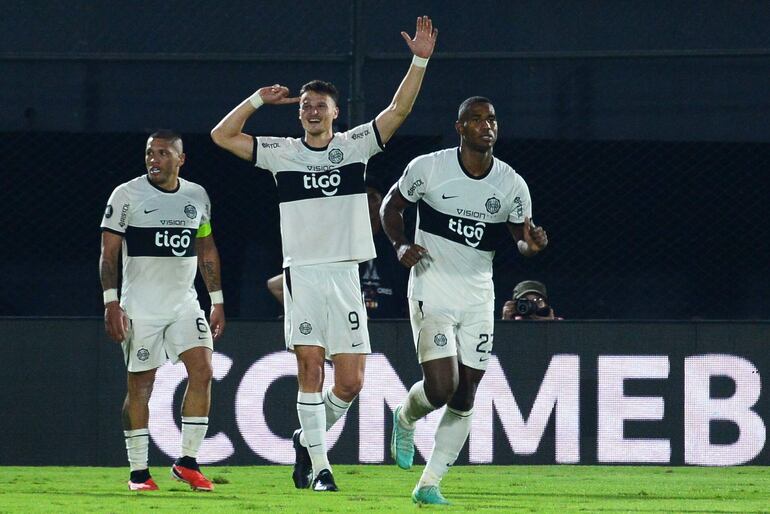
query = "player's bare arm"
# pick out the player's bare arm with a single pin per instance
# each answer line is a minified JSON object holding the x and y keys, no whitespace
{"x":422,"y":46}
{"x":115,"y":319}
{"x":228,"y":133}
{"x":209,"y":266}
{"x":392,"y":217}
{"x":534,"y":238}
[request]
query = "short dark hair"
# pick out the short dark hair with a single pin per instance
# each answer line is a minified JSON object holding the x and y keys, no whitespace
{"x":470,"y":101}
{"x":322,"y":87}
{"x":169,"y":135}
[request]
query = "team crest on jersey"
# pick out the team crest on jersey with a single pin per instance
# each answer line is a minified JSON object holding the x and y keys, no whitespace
{"x":336,"y":156}
{"x":143,"y":354}
{"x":440,"y":340}
{"x":305,"y":328}
{"x":492,"y":205}
{"x":191,"y":211}
{"x":108,"y":212}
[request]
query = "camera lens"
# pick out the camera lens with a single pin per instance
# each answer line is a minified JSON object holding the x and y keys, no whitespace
{"x":525,"y":306}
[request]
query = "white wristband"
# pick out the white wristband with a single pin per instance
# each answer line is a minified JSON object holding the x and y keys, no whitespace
{"x":256,"y":100}
{"x":420,"y":62}
{"x":110,"y":295}
{"x":216,"y":297}
{"x":523,"y":247}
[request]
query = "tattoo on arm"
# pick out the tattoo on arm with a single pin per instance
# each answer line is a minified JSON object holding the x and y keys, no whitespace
{"x":108,"y":273}
{"x":210,"y":272}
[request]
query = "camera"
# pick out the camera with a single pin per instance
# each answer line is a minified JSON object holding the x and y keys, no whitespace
{"x":526,"y":307}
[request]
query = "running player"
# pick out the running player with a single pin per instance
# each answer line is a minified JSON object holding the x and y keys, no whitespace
{"x":162,"y":225}
{"x":325,"y":232}
{"x":466,"y":198}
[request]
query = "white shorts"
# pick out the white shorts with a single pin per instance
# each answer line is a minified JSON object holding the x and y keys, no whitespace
{"x":440,"y":333}
{"x":323,"y":307}
{"x":150,"y":343}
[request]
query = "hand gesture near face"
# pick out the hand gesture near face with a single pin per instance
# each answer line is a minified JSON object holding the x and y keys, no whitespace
{"x":277,"y":95}
{"x":424,"y":38}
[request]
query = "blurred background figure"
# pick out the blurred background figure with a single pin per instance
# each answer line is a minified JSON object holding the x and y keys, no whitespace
{"x":530,"y":301}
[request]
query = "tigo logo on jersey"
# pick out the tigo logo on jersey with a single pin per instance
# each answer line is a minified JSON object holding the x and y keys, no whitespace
{"x":323,"y":182}
{"x":471,"y":233}
{"x":177,"y":242}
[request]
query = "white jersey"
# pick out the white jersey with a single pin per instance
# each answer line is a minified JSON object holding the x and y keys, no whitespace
{"x":460,"y":219}
{"x":159,"y":229}
{"x":322,"y":196}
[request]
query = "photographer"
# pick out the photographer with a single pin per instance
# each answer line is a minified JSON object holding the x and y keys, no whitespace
{"x":530,"y":302}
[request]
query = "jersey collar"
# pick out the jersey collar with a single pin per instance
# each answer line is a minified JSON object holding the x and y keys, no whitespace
{"x":178,"y":185}
{"x":468,"y":174}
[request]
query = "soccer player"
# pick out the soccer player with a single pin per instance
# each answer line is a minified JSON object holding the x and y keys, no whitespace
{"x":466,"y":198}
{"x":162,"y":225}
{"x":325,"y":233}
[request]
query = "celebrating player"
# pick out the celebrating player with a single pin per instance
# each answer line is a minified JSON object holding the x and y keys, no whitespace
{"x":325,"y":234}
{"x":162,"y":225}
{"x":466,"y":198}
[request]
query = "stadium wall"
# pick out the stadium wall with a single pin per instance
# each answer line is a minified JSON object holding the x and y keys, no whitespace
{"x":570,"y":392}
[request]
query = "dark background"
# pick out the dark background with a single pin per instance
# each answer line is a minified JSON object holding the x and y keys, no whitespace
{"x":642,"y":129}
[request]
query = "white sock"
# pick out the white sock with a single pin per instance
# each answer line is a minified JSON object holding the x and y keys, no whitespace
{"x":451,"y":434}
{"x":193,"y":431}
{"x":416,"y":406}
{"x":137,"y":446}
{"x":312,"y":418}
{"x":335,"y":408}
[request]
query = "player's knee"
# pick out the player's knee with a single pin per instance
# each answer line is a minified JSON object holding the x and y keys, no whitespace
{"x":439,"y":394}
{"x":349,"y":387}
{"x":201,"y":373}
{"x":139,"y":393}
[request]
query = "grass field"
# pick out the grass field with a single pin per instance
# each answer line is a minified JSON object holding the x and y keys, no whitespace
{"x":600,"y":489}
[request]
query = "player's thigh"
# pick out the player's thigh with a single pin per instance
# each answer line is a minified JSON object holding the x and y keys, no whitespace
{"x":143,"y":348}
{"x":189,"y":331}
{"x":304,"y":306}
{"x":433,"y":331}
{"x":348,"y":330}
{"x":475,"y":337}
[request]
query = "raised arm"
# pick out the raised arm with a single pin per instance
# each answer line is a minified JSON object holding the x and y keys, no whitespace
{"x":530,"y":239}
{"x":209,"y":266}
{"x":115,"y":320}
{"x":421,"y":46}
{"x":392,"y":218}
{"x":228,"y":133}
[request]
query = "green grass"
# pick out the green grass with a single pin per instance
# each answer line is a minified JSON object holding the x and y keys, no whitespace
{"x":560,"y":489}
